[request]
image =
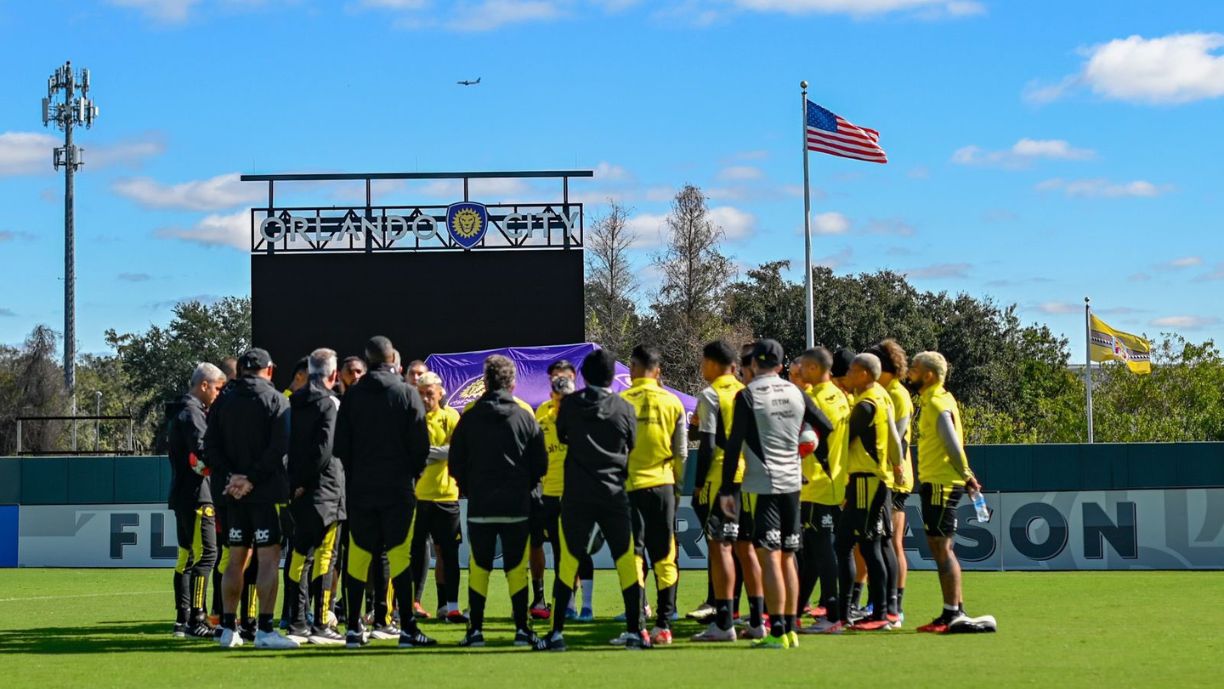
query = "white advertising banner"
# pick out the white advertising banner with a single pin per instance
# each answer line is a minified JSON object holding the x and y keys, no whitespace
{"x":1091,"y":530}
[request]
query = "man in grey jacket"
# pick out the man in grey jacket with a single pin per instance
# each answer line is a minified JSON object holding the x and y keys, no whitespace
{"x":770,"y":415}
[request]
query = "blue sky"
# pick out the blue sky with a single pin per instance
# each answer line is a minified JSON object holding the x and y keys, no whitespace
{"x":1040,"y":151}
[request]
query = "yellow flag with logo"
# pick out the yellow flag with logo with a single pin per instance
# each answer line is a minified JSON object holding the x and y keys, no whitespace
{"x":1107,"y":344}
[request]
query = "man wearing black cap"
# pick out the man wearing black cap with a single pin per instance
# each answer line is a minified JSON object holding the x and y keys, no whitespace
{"x":383,"y":442}
{"x":598,"y":428}
{"x":766,"y":425}
{"x":246,"y":443}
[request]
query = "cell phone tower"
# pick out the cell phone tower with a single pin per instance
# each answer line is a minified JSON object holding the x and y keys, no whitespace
{"x":68,"y":105}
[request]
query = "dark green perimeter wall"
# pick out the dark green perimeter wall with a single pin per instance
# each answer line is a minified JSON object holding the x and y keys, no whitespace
{"x":1006,"y":468}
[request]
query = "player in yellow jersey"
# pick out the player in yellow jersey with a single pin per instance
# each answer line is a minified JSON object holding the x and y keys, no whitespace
{"x":944,"y":469}
{"x":823,"y":493}
{"x":655,"y":460}
{"x":562,"y":377}
{"x":872,"y":463}
{"x":893,"y":369}
{"x":437,"y":493}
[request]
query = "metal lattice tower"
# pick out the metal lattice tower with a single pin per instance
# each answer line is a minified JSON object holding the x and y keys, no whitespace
{"x":68,"y":105}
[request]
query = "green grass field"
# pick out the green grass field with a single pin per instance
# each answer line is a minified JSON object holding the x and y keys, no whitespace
{"x":111,"y":628}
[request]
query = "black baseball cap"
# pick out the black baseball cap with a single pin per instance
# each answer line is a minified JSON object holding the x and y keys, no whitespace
{"x":254,"y":359}
{"x":841,"y":362}
{"x":767,"y":353}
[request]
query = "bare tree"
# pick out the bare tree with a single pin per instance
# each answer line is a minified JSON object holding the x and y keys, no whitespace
{"x":695,"y":276}
{"x":32,"y":384}
{"x":611,"y":317}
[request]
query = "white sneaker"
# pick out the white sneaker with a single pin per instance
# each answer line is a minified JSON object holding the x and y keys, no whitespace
{"x":230,"y":639}
{"x":751,"y":632}
{"x":275,"y":641}
{"x":713,"y":633}
{"x":623,"y":639}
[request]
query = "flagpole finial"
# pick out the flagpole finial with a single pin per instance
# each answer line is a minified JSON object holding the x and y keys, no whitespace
{"x":1087,"y":300}
{"x":803,"y":84}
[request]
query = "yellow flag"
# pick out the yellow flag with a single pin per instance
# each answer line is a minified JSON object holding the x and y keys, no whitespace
{"x":1108,"y":344}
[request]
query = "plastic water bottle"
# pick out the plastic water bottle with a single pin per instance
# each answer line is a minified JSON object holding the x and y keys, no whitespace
{"x":979,"y":506}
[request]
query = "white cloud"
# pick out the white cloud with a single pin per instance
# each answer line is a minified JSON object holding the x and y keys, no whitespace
{"x":492,"y":189}
{"x":940,"y":270}
{"x":1059,"y":307}
{"x":25,"y":153}
{"x":233,"y":230}
{"x":218,"y":193}
{"x":609,"y":172}
{"x":740,"y":173}
{"x":1022,"y":154}
{"x":135,"y":277}
{"x":861,"y":7}
{"x":735,"y":223}
{"x":647,"y":229}
{"x":493,"y":14}
{"x":1102,"y":188}
{"x":163,"y":11}
{"x":1185,"y":322}
{"x":830,"y":223}
{"x":1216,"y":273}
{"x":12,"y":235}
{"x":1178,"y":68}
{"x":1183,"y":262}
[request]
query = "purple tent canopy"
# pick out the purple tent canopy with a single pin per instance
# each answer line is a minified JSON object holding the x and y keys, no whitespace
{"x":463,"y":374}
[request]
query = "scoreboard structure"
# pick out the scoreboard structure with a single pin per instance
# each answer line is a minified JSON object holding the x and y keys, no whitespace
{"x":462,"y":276}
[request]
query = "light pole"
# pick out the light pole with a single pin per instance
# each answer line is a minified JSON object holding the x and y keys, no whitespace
{"x":97,"y":422}
{"x":64,"y":108}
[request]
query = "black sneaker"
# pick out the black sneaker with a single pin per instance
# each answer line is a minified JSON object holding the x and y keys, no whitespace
{"x":355,"y":638}
{"x":552,"y":642}
{"x":473,"y":639}
{"x":201,"y":630}
{"x":525,"y":637}
{"x":415,"y":639}
{"x":641,"y":642}
{"x":180,"y":630}
{"x":247,"y":632}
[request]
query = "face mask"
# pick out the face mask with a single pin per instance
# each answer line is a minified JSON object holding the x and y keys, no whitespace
{"x":562,"y":385}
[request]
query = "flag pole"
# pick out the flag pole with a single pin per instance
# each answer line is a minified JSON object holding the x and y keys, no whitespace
{"x":807,"y":231}
{"x":1088,"y":360}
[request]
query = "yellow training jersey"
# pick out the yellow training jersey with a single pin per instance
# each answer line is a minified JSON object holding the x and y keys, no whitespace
{"x":715,"y":406}
{"x":554,"y":481}
{"x":903,"y":407}
{"x":934,"y":462}
{"x":829,"y":488}
{"x":658,"y":412}
{"x":861,"y":461}
{"x":436,"y":484}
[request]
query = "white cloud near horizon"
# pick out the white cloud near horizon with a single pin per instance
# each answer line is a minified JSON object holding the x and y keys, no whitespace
{"x":1022,"y":154}
{"x":222,"y":192}
{"x":1103,"y":188}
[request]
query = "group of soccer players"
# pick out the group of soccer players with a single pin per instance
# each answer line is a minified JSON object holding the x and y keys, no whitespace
{"x":801,"y":480}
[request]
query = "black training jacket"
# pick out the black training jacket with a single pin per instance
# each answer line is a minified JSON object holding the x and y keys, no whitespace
{"x":497,"y":456}
{"x":598,"y":428}
{"x":313,"y":466}
{"x":186,"y":438}
{"x":381,"y":439}
{"x":248,"y":433}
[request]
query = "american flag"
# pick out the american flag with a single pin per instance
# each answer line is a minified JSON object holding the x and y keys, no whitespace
{"x":828,"y":133}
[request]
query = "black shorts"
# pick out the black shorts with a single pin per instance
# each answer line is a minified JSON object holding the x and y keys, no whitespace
{"x":250,"y":524}
{"x":868,"y":503}
{"x":776,"y":523}
{"x":720,"y":526}
{"x":438,"y":520}
{"x":820,"y":517}
{"x":939,"y":501}
{"x":898,"y":501}
{"x":537,"y":521}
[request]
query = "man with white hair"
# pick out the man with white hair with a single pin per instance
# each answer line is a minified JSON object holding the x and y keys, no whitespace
{"x":192,"y":502}
{"x":873,"y":465}
{"x":437,"y":509}
{"x":316,"y":479}
{"x":944,"y":469}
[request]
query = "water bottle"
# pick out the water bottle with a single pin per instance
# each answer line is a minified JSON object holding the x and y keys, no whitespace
{"x":979,"y":506}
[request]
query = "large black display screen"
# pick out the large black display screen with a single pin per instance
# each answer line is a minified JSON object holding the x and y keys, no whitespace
{"x":427,"y":302}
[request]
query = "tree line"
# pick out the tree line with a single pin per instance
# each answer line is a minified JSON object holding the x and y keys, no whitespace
{"x":1013,"y":379}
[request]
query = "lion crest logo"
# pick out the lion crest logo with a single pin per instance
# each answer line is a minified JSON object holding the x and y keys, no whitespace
{"x":470,"y":391}
{"x":467,"y":222}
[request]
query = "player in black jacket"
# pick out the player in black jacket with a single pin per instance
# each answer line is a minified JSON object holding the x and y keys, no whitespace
{"x":383,"y":443}
{"x":192,"y":503}
{"x":497,"y":457}
{"x":316,"y":479}
{"x":599,"y":429}
{"x":246,"y":442}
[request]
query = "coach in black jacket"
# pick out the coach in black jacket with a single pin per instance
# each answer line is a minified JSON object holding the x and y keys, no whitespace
{"x":316,"y":478}
{"x":382,"y":441}
{"x":497,"y":456}
{"x":246,"y":442}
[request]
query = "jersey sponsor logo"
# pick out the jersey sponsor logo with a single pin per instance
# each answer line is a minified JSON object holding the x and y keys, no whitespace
{"x":792,"y":542}
{"x":826,"y":521}
{"x":467,"y":223}
{"x":261,"y":535}
{"x":773,"y":538}
{"x":235,"y":534}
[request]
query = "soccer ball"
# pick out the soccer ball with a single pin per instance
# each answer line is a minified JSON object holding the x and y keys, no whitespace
{"x":807,"y":440}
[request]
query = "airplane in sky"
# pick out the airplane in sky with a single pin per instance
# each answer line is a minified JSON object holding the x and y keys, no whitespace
{"x":465,"y":82}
